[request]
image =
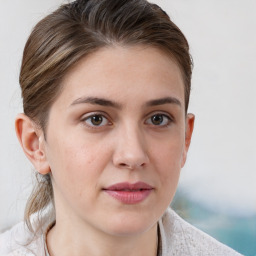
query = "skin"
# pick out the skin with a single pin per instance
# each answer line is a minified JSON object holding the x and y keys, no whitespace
{"x":126,"y":145}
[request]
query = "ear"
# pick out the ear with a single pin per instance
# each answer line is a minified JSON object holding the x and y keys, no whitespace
{"x":32,"y":142}
{"x":190,"y":119}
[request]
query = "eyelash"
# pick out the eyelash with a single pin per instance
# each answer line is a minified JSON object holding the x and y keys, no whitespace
{"x":106,"y":122}
{"x":93,"y":126}
{"x":167,"y":118}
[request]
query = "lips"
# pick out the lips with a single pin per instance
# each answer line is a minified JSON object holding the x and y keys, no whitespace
{"x":128,"y":193}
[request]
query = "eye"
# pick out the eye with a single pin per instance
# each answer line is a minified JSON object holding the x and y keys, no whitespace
{"x":96,"y":120}
{"x":159,"y":120}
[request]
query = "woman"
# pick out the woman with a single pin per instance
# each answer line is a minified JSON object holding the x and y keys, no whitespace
{"x":105,"y":88}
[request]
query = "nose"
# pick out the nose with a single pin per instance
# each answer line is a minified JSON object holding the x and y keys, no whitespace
{"x":130,"y":151}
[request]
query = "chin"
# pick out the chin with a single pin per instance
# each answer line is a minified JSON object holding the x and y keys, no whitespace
{"x":130,"y":225}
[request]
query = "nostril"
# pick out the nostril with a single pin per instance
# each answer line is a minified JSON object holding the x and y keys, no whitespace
{"x":131,"y":166}
{"x":128,"y":166}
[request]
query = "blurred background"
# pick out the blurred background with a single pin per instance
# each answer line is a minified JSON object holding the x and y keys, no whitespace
{"x":217,"y":190}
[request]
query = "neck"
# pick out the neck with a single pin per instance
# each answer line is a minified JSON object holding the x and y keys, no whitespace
{"x":70,"y":240}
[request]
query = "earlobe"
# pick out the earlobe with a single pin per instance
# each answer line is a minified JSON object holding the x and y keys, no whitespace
{"x":31,"y":139}
{"x":188,"y":135}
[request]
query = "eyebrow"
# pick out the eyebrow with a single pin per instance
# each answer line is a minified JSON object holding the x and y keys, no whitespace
{"x":96,"y":101}
{"x":162,"y":101}
{"x":110,"y":103}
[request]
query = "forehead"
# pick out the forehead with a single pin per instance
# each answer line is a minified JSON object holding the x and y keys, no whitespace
{"x":124,"y":73}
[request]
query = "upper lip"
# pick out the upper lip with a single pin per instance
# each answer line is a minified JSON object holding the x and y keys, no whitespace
{"x":129,"y":186}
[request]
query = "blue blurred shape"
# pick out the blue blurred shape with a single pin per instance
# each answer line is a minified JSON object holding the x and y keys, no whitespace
{"x":238,"y":233}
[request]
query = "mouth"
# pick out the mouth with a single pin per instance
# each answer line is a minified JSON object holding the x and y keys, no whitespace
{"x":128,"y":193}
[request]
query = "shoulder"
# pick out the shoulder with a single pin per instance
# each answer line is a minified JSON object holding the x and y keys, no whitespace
{"x":13,"y":241}
{"x":180,"y":238}
{"x":19,"y":241}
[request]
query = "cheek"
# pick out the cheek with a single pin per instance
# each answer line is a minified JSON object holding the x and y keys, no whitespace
{"x":167,"y":161}
{"x":76,"y":166}
{"x":168,"y":158}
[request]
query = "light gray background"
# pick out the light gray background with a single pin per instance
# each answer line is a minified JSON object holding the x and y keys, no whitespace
{"x":221,"y":167}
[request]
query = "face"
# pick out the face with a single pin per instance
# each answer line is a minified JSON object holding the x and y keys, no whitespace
{"x":117,"y":138}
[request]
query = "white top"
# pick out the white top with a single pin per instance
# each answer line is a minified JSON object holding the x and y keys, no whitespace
{"x":177,"y":238}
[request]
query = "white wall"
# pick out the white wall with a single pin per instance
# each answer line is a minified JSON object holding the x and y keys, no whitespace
{"x":16,"y":21}
{"x":221,"y":168}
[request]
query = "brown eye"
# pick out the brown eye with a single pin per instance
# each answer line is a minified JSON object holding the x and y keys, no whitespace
{"x":96,"y":120}
{"x":159,"y":120}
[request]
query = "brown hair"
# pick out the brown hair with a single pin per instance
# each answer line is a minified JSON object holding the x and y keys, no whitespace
{"x":75,"y":30}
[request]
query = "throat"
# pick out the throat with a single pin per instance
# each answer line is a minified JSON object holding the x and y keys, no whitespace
{"x":139,"y":245}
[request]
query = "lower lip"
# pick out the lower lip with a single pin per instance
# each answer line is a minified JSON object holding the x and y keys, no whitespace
{"x":129,"y":197}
